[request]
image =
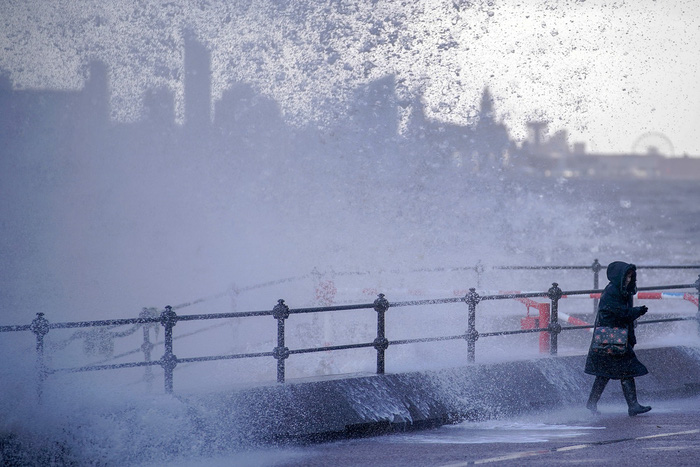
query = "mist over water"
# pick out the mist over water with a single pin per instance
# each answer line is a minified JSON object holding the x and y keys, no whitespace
{"x":102,"y":241}
{"x":291,"y":164}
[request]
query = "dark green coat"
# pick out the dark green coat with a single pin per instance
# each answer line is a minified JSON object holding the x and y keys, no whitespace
{"x":615,"y":309}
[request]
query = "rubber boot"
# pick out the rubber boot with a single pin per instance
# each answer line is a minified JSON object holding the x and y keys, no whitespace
{"x":629,"y":389}
{"x":596,"y":392}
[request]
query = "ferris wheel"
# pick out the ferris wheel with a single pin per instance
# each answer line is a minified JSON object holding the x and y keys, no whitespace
{"x":653,"y":143}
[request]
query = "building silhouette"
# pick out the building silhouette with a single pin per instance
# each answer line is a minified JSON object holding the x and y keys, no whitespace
{"x":248,"y":128}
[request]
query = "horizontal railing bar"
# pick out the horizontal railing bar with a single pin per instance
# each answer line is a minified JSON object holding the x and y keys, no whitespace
{"x":361,"y":306}
{"x":664,"y":320}
{"x":224,"y":357}
{"x":105,"y":322}
{"x":445,"y":269}
{"x":426,"y":339}
{"x":130,"y":352}
{"x":84,"y":324}
{"x":602,"y":266}
{"x":582,"y":292}
{"x":578,"y":292}
{"x":524,"y":331}
{"x":580,"y":326}
{"x":157,"y":343}
{"x":17,"y":327}
{"x":332,"y":347}
{"x":659,"y":287}
{"x":668,"y":287}
{"x":237,"y":314}
{"x":545,"y":267}
{"x":104,"y":367}
{"x":119,"y":322}
{"x":354,"y":273}
{"x":513,"y":295}
{"x":410,"y":271}
{"x":573,"y":328}
{"x":433,"y":301}
{"x":687,"y":266}
{"x":242,"y":314}
{"x":505,"y":333}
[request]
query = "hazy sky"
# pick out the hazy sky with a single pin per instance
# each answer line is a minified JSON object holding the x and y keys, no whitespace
{"x":608,"y":71}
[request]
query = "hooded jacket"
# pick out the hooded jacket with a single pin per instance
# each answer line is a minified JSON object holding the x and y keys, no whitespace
{"x":616,"y":309}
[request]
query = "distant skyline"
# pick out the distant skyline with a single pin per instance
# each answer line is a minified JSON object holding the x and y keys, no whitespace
{"x":606,"y":72}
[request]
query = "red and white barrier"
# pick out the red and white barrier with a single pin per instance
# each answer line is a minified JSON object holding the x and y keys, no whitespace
{"x":573,"y":320}
{"x":649,"y":296}
{"x":692,"y":298}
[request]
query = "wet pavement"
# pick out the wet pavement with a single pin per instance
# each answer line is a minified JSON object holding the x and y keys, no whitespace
{"x":668,"y":435}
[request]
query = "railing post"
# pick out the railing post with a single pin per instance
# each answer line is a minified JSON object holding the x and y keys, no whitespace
{"x":147,"y":346}
{"x":280,"y":312}
{"x":40,"y":327}
{"x":554,"y":293}
{"x":697,"y":286}
{"x":597,"y":267}
{"x":472,"y":298}
{"x":168,"y":318}
{"x":479,"y":269}
{"x":381,"y":343}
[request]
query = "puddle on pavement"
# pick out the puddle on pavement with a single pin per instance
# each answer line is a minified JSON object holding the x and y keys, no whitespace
{"x":496,"y":432}
{"x":552,"y":425}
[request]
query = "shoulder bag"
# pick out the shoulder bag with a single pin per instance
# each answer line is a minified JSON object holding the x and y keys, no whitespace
{"x":609,"y":340}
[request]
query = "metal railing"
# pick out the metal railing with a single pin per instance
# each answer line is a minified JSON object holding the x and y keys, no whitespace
{"x":596,"y":267}
{"x":168,"y":319}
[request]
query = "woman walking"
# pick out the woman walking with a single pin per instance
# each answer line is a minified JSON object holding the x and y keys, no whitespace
{"x":616,"y":311}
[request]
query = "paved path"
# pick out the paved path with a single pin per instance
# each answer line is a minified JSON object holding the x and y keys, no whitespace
{"x":669,"y":435}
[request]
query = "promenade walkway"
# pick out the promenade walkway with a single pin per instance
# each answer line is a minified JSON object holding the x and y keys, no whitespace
{"x":669,"y":435}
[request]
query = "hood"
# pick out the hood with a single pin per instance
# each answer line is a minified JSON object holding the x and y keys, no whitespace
{"x":616,"y":275}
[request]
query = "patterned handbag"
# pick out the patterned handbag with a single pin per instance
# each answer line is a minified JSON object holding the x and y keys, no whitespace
{"x":608,"y":340}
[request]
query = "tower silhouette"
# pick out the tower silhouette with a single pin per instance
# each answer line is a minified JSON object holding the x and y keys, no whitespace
{"x":197,"y":84}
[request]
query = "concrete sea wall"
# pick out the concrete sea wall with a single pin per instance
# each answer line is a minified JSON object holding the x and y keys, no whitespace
{"x":79,"y":427}
{"x":371,"y":404}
